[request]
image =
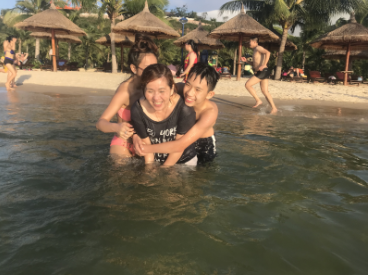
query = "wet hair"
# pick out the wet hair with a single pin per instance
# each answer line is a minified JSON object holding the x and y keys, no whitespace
{"x":207,"y":72}
{"x":156,"y":71}
{"x":193,"y":45}
{"x":143,"y":45}
{"x":256,"y":39}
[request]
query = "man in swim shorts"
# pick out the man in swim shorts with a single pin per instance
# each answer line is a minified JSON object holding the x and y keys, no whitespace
{"x":260,"y":59}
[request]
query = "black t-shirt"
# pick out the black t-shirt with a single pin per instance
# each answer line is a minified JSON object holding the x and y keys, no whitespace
{"x":180,"y":121}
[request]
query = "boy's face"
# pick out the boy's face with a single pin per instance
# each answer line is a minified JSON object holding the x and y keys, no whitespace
{"x":253,"y":44}
{"x":196,"y":91}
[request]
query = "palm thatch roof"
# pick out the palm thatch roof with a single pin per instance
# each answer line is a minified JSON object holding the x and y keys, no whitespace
{"x":145,"y":22}
{"x":242,"y":25}
{"x":352,"y":33}
{"x":357,"y":55}
{"x":274,"y":45}
{"x":120,"y":40}
{"x":49,"y":20}
{"x":59,"y":37}
{"x":200,"y":37}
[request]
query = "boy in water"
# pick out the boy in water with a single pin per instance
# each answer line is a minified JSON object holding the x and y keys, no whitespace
{"x":197,"y":92}
{"x":260,"y":59}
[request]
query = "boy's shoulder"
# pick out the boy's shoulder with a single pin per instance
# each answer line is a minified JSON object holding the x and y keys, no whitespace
{"x":210,"y":109}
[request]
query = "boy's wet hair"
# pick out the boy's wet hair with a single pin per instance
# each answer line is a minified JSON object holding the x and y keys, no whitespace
{"x":256,"y":39}
{"x":207,"y":72}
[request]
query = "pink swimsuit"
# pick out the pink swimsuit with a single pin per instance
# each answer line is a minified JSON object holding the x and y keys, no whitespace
{"x":125,"y":115}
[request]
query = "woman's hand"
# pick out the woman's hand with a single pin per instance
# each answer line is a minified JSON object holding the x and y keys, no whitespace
{"x":183,"y":75}
{"x":124,"y":130}
{"x":138,"y":145}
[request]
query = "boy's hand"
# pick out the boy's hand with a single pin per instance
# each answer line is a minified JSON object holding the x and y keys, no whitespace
{"x":243,"y":59}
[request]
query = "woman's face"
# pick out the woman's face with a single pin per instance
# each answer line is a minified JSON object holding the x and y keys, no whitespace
{"x":13,"y":41}
{"x":158,"y":93}
{"x":188,"y":47}
{"x":148,"y":59}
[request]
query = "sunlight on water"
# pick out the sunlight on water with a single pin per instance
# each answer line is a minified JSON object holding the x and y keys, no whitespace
{"x":288,"y":194}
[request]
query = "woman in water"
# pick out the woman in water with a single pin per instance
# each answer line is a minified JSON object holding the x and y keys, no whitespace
{"x":9,"y":51}
{"x":143,"y":53}
{"x":162,"y":116}
{"x":191,"y":58}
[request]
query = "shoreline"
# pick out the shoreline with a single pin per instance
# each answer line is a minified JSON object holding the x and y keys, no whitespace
{"x":241,"y":101}
{"x":99,"y":83}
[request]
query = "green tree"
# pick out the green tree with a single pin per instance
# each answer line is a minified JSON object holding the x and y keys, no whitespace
{"x":113,"y":8}
{"x":289,"y":13}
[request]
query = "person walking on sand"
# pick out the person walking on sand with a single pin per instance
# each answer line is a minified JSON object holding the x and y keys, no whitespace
{"x":191,"y":58}
{"x":262,"y":73}
{"x":9,"y":50}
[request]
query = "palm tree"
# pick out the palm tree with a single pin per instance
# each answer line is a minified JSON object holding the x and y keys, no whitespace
{"x":113,"y":8}
{"x":133,"y":7}
{"x":289,"y":13}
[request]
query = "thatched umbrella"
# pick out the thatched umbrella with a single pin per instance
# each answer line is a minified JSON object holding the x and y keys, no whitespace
{"x":51,"y":21}
{"x":120,"y":40}
{"x":351,"y":36}
{"x":58,"y":37}
{"x":200,"y":37}
{"x":145,"y":22}
{"x":242,"y":27}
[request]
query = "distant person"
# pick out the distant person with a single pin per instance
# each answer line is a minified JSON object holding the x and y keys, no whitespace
{"x":260,"y":59}
{"x":191,"y":58}
{"x":204,"y":57}
{"x":9,"y":50}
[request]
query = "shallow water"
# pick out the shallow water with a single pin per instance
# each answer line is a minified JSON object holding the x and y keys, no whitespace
{"x":288,"y":194}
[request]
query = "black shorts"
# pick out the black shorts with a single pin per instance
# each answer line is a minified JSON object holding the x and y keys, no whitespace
{"x":264,"y":74}
{"x":206,"y":149}
{"x":8,"y":61}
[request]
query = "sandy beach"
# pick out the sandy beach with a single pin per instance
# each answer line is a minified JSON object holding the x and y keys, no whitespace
{"x":106,"y":83}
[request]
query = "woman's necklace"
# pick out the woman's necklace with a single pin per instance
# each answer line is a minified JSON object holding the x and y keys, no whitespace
{"x":164,"y":112}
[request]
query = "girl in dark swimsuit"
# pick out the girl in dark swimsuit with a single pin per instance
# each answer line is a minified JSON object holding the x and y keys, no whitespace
{"x":9,"y":50}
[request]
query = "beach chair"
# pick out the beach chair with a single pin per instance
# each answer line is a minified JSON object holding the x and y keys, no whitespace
{"x":315,"y":76}
{"x":62,"y":64}
{"x":341,"y":77}
{"x":224,"y":73}
{"x":46,"y":65}
{"x":73,"y":66}
{"x":107,"y":66}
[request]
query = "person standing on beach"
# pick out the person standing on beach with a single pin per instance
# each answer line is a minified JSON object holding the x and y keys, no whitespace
{"x":191,"y":59}
{"x":260,"y":59}
{"x":9,"y":50}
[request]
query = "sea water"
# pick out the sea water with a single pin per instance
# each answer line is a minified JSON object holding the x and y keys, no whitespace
{"x":288,"y":194}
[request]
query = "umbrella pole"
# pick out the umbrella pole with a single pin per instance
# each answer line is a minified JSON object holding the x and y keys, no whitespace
{"x":240,"y":51}
{"x":122,"y":58}
{"x":347,"y":65}
{"x":53,"y":51}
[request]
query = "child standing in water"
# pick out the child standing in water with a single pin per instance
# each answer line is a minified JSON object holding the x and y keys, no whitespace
{"x":260,"y":59}
{"x":198,"y":91}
